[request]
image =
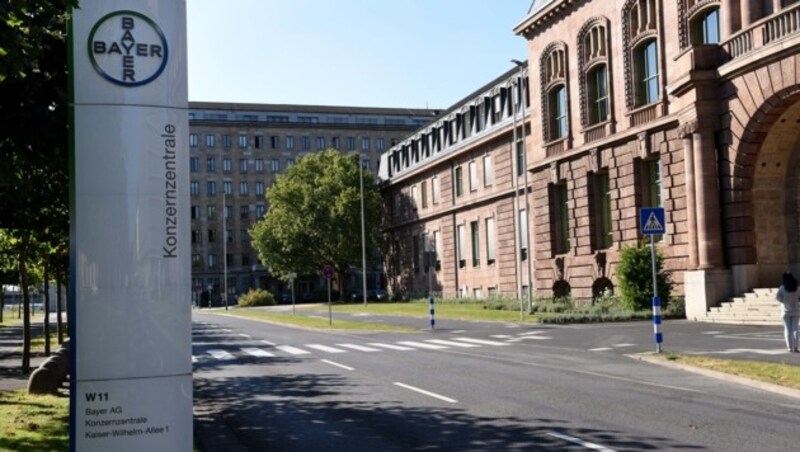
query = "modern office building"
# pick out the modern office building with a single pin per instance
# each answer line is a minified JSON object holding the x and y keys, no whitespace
{"x":689,"y":105}
{"x":237,"y":150}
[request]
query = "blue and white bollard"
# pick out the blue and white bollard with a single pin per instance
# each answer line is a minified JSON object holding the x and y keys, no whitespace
{"x":433,"y":321}
{"x":657,"y":323}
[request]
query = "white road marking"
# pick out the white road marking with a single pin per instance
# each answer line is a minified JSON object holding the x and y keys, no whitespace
{"x":713,"y":332}
{"x":338,"y":365}
{"x":245,"y":335}
{"x":623,"y":345}
{"x":530,"y":338}
{"x":580,"y":442}
{"x":325,"y":348}
{"x":221,"y":355}
{"x":194,"y":359}
{"x":225,"y":330}
{"x":257,"y":352}
{"x":530,"y":333}
{"x":422,"y":345}
{"x":501,"y":336}
{"x":479,"y":341}
{"x":600,"y":349}
{"x":360,"y":348}
{"x":427,"y":393}
{"x":459,"y":331}
{"x":269,"y":343}
{"x":391,"y":346}
{"x":452,"y":343}
{"x":292,"y":350}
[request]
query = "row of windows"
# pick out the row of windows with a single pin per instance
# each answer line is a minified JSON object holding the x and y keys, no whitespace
{"x":594,"y":42}
{"x":274,"y":142}
{"x":244,"y":236}
{"x":244,"y":165}
{"x":245,"y":260}
{"x":257,"y":165}
{"x":430,"y":189}
{"x":306,"y":119}
{"x":499,"y":104}
{"x":648,"y":176}
{"x":211,"y":212}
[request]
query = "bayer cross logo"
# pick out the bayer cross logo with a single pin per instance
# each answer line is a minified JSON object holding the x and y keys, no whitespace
{"x":127,"y":48}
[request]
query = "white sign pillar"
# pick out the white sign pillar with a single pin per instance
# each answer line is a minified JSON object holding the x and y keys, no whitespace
{"x":130,"y":317}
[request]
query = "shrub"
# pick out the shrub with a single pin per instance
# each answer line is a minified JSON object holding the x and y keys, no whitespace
{"x":635,"y":275}
{"x":257,"y":297}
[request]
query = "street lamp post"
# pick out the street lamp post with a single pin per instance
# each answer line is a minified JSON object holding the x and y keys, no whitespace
{"x":224,"y":251}
{"x":363,"y":233}
{"x":521,"y":67}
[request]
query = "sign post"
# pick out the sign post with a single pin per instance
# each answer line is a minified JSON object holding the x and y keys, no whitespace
{"x":652,"y":222}
{"x":292,"y":276}
{"x":328,"y":272}
{"x":130,"y":300}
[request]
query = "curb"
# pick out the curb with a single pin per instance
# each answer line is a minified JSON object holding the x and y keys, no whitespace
{"x":764,"y":386}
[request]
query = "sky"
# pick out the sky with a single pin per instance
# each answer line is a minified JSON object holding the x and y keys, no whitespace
{"x":371,"y":53}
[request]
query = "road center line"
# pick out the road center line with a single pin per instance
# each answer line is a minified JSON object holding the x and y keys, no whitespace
{"x":427,"y":393}
{"x":337,"y":365}
{"x":581,"y":442}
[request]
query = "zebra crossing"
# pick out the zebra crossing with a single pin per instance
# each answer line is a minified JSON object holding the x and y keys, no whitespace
{"x":268,"y":349}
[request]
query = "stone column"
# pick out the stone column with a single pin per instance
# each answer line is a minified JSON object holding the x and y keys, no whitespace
{"x":709,"y":231}
{"x":686,"y":131}
{"x":729,"y":11}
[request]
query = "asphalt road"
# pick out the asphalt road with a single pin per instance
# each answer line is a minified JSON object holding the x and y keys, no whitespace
{"x":487,"y":386}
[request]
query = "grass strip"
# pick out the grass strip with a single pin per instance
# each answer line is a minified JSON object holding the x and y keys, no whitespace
{"x":313,"y":322}
{"x":782,"y":374}
{"x":33,"y":422}
{"x":452,"y":311}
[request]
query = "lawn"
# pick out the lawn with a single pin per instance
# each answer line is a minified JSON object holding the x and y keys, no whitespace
{"x":315,"y":322}
{"x":443,"y":310}
{"x":33,"y":423}
{"x":776,"y":373}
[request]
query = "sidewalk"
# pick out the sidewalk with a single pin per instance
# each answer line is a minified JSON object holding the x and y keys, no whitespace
{"x":11,"y":376}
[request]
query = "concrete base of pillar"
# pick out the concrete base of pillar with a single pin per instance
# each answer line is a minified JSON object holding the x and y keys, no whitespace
{"x":705,"y":289}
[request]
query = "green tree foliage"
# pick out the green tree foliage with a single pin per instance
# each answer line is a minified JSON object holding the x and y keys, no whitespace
{"x":33,"y":133}
{"x":635,"y":275}
{"x":314,"y":217}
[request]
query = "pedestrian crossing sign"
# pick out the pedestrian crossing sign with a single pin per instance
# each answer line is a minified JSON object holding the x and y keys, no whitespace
{"x":651,"y":221}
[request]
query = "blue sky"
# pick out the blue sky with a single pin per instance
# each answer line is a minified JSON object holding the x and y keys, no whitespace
{"x":383,"y":53}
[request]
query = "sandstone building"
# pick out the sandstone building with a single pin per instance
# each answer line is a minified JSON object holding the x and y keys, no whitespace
{"x":690,"y":105}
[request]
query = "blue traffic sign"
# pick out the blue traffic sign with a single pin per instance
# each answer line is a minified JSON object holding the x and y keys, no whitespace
{"x":328,"y":272}
{"x":652,"y":221}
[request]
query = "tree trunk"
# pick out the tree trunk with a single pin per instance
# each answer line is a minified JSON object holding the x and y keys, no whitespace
{"x":46,"y":307}
{"x":59,"y":300}
{"x":26,"y":303}
{"x":2,"y":302}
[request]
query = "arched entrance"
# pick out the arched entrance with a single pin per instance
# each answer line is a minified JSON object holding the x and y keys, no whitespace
{"x":776,"y":196}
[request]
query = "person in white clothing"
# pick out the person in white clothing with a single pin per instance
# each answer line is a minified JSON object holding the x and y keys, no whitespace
{"x":790,"y":308}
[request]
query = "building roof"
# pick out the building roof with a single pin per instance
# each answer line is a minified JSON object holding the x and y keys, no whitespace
{"x":538,"y":5}
{"x":311,"y":109}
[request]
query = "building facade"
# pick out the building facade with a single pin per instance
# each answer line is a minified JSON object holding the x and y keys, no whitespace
{"x":237,"y":150}
{"x":689,"y":105}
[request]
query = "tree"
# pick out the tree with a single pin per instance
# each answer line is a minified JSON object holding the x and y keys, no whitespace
{"x":314,"y":217}
{"x":33,"y":133}
{"x":635,"y":275}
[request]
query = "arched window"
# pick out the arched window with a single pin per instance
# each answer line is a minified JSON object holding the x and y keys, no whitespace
{"x":640,"y":21}
{"x":593,"y":59}
{"x":700,"y":22}
{"x":646,"y":72}
{"x":554,"y":92}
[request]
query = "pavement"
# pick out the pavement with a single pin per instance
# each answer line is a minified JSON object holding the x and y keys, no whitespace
{"x":633,"y":339}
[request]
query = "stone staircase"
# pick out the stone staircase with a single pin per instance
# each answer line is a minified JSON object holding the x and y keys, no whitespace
{"x":758,"y":307}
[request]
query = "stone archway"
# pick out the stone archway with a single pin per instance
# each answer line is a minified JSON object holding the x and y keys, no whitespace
{"x":775,"y":190}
